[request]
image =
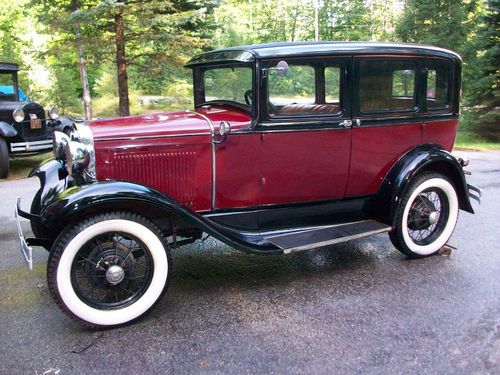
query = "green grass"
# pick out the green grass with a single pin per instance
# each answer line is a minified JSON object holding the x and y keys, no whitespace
{"x":21,"y":166}
{"x":468,"y":141}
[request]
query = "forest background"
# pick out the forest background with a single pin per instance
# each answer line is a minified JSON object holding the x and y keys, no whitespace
{"x":98,"y":58}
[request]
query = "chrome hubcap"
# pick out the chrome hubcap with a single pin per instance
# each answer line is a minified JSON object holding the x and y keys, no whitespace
{"x":433,"y":217}
{"x":115,"y":274}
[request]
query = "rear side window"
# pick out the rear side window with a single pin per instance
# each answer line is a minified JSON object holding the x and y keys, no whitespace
{"x":387,"y":86}
{"x":438,"y":85}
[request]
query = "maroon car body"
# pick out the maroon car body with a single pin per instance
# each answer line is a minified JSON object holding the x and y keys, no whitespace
{"x":290,"y":147}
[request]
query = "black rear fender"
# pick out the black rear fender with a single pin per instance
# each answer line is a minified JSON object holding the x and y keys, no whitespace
{"x":422,"y":159}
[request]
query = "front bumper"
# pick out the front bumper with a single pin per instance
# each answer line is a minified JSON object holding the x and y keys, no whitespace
{"x":31,"y":146}
{"x":26,"y":249}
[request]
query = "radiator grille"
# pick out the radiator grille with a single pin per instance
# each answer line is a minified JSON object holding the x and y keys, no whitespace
{"x":172,"y":173}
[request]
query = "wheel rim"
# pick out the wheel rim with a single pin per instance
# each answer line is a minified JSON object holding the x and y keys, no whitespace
{"x":428,"y":216}
{"x":111,"y":271}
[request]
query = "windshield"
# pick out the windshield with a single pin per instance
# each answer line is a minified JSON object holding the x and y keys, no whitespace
{"x":7,"y":86}
{"x":229,"y":84}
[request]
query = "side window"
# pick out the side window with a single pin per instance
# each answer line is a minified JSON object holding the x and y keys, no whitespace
{"x":332,"y":84}
{"x":296,"y":88}
{"x":438,"y":86}
{"x":387,"y":86}
{"x":295,"y":93}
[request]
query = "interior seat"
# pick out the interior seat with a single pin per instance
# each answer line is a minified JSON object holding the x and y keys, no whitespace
{"x":308,"y":109}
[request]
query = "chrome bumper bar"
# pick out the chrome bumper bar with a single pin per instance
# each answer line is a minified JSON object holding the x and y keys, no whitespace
{"x":475,"y":192}
{"x":31,"y":146}
{"x":26,"y":250}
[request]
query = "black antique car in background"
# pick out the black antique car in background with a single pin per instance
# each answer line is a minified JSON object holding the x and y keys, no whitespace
{"x":24,"y":128}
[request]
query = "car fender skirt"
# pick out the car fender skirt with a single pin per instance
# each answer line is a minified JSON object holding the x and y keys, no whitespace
{"x":420,"y":159}
{"x":77,"y":202}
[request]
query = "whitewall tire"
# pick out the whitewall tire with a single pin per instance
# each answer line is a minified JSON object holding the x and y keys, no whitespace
{"x":110,"y":269}
{"x":426,"y":216}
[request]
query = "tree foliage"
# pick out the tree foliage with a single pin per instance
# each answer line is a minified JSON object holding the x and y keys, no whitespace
{"x":484,"y":86}
{"x":159,"y":36}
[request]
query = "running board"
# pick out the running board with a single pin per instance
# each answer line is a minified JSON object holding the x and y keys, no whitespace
{"x":314,"y":238}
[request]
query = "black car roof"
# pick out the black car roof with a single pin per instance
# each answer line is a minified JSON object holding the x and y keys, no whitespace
{"x":8,"y":67}
{"x":291,"y":49}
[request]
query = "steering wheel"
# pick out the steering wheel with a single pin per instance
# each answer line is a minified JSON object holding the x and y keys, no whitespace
{"x":248,"y":97}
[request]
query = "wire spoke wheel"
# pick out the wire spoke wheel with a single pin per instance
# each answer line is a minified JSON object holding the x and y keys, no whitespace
{"x":112,"y":270}
{"x":427,"y":216}
{"x":109,"y":269}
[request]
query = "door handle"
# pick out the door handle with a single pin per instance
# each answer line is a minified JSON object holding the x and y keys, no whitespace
{"x":357,"y":123}
{"x":346,"y":123}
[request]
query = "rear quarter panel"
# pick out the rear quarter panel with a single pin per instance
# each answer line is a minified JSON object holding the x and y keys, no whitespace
{"x":440,"y":132}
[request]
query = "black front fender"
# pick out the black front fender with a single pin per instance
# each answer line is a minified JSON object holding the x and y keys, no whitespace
{"x":418,"y":160}
{"x":62,"y":204}
{"x":7,"y":130}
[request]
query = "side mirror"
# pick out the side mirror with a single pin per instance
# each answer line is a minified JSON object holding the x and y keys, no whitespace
{"x":281,"y":69}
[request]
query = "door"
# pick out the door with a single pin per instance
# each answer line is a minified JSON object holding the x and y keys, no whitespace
{"x":305,"y":134}
{"x":387,"y":110}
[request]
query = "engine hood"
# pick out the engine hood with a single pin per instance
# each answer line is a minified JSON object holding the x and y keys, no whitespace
{"x":167,"y":124}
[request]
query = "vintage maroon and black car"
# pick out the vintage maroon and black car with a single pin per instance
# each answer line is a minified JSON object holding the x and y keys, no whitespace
{"x":290,"y":147}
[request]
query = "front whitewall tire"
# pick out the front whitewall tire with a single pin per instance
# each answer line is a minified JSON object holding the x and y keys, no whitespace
{"x":65,"y":257}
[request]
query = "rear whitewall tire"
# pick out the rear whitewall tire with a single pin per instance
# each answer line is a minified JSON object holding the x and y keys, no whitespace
{"x":63,"y":256}
{"x":400,"y":236}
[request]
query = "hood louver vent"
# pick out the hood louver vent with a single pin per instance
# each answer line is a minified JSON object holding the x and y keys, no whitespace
{"x":170,"y":172}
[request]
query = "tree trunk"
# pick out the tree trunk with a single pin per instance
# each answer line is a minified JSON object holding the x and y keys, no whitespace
{"x":87,"y":100}
{"x":121,"y":65}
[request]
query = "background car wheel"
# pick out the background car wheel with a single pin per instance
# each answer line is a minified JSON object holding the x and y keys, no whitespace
{"x":4,"y":159}
{"x":109,"y":270}
{"x":426,"y":216}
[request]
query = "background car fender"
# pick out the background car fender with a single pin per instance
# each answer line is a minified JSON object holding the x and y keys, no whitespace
{"x":418,"y":160}
{"x":6,"y":130}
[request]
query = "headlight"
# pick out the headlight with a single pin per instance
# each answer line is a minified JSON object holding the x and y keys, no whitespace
{"x":80,"y":158}
{"x":78,"y":154}
{"x":53,"y":113}
{"x":60,"y":146}
{"x":18,"y":115}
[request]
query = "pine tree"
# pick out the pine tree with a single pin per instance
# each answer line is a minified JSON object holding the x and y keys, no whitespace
{"x":443,"y":23}
{"x":484,"y":90}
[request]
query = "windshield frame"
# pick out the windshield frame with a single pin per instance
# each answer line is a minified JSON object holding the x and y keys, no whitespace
{"x":199,"y":86}
{"x":15,"y":85}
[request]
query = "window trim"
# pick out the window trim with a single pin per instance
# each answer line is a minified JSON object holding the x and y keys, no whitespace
{"x":318,"y":67}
